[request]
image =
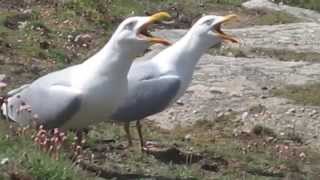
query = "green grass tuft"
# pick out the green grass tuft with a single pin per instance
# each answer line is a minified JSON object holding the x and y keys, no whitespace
{"x":306,"y":94}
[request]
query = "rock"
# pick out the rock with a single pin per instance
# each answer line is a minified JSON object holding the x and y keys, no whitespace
{"x":268,"y":37}
{"x":263,"y":97}
{"x":291,"y":111}
{"x":2,"y":85}
{"x":301,"y":13}
{"x":179,"y":102}
{"x":244,"y":116}
{"x":187,"y":137}
{"x":221,"y":114}
{"x":217,"y":78}
{"x":270,"y":139}
{"x":13,"y":22}
{"x":83,"y":39}
{"x":260,"y":4}
{"x":44,"y":45}
{"x":312,"y":113}
{"x":4,"y":161}
{"x":2,"y":77}
{"x":35,"y":68}
{"x":210,"y":167}
{"x":216,"y":90}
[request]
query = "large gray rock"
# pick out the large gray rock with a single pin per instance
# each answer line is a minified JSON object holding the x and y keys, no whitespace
{"x":298,"y":37}
{"x":223,"y":84}
{"x":304,"y":14}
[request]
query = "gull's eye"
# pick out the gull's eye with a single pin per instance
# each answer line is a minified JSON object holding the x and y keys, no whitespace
{"x":130,"y":25}
{"x":208,"y":22}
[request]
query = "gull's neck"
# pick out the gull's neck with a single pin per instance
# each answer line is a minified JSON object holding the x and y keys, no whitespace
{"x":184,"y":54}
{"x":112,"y":61}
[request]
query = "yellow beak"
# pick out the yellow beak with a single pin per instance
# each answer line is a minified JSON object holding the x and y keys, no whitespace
{"x":160,"y":16}
{"x":222,"y":34}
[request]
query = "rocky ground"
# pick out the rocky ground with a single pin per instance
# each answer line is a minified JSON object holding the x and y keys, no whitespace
{"x":244,"y":80}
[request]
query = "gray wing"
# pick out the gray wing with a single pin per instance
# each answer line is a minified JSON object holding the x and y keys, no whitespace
{"x":147,"y":97}
{"x":51,"y":99}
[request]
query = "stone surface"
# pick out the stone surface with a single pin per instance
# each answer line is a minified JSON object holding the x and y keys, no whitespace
{"x":239,"y":84}
{"x":304,"y":14}
{"x":298,"y":37}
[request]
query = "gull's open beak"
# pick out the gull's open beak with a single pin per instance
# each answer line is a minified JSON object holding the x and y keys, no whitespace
{"x":143,"y":31}
{"x":222,"y":34}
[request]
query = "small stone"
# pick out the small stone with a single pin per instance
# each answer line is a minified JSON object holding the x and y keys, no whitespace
{"x":312,"y":113}
{"x":44,"y":45}
{"x":244,"y":116}
{"x":216,"y":90}
{"x":4,"y":161}
{"x":302,"y":155}
{"x":2,"y":85}
{"x":210,"y":167}
{"x":35,"y":69}
{"x":291,"y":111}
{"x":2,"y":77}
{"x":187,"y":137}
{"x":264,"y":88}
{"x":179,"y":102}
{"x":69,"y":37}
{"x":263,"y":97}
{"x":270,"y":139}
{"x":227,"y":113}
{"x":220,"y":115}
{"x":229,"y":109}
{"x":22,"y":25}
{"x":83,"y":39}
{"x":230,"y":54}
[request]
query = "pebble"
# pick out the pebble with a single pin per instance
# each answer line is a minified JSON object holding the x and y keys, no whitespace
{"x":312,"y":113}
{"x":263,"y":97}
{"x":4,"y":161}
{"x":244,"y":116}
{"x":270,"y":139}
{"x":291,"y":111}
{"x":2,"y":77}
{"x":179,"y":102}
{"x":216,"y":90}
{"x":187,"y":137}
{"x":220,"y":115}
{"x":2,"y":85}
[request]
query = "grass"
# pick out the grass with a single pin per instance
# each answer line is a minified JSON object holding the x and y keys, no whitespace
{"x":211,"y":144}
{"x":26,"y":160}
{"x":248,"y":156}
{"x":306,"y":94}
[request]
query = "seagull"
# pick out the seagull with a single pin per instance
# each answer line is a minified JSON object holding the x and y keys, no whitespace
{"x":155,"y":84}
{"x":84,"y":94}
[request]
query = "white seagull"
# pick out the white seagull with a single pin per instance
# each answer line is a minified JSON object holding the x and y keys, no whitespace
{"x":84,"y":94}
{"x":156,"y":84}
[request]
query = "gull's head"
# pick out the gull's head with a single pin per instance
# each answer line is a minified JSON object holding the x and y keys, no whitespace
{"x":133,"y":32}
{"x":209,"y":28}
